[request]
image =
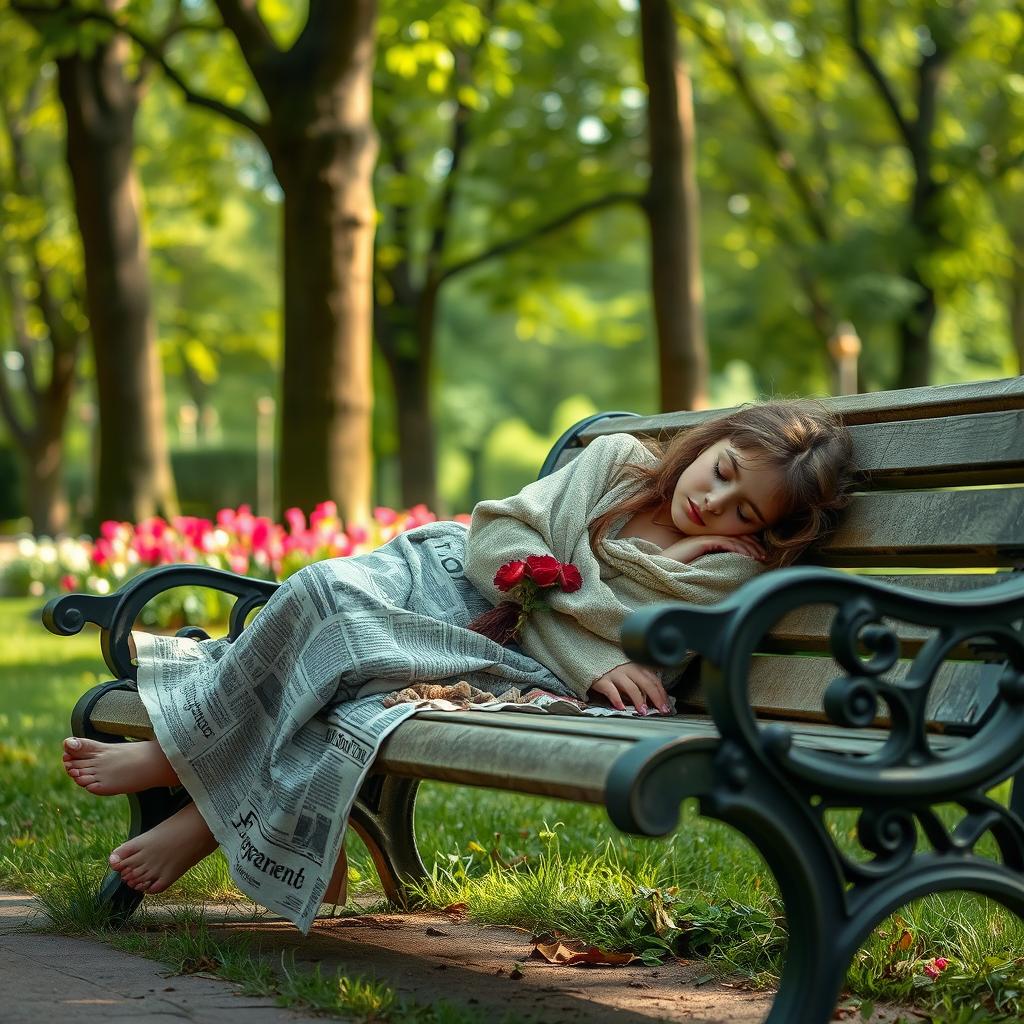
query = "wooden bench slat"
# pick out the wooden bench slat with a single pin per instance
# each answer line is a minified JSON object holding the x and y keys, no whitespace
{"x":807,"y":628}
{"x":555,"y":756}
{"x":789,"y":686}
{"x":986,"y":448}
{"x":975,"y":528}
{"x":980,"y":528}
{"x":908,"y":404}
{"x":955,"y":451}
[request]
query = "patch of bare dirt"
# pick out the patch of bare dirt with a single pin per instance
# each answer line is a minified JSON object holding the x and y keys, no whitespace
{"x":429,"y":957}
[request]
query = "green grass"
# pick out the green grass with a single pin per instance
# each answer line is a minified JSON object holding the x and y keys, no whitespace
{"x":541,"y":864}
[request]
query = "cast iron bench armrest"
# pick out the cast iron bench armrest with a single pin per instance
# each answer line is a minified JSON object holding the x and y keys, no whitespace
{"x":116,"y":613}
{"x":780,"y":795}
{"x":906,"y":771}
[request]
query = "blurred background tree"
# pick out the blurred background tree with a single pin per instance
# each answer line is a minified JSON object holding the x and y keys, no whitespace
{"x":853,"y":162}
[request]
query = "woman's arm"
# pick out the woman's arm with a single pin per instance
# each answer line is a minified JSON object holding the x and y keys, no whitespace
{"x":689,"y":549}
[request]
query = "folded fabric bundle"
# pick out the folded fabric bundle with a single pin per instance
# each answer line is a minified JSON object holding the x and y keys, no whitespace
{"x":461,"y":693}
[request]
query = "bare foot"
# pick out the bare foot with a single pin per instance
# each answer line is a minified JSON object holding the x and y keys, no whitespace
{"x":106,"y":769}
{"x":152,"y":861}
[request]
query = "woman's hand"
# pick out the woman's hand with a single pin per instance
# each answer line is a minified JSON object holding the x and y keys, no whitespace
{"x":691,"y":548}
{"x":640,"y":685}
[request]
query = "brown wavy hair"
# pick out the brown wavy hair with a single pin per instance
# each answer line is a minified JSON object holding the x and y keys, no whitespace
{"x":802,"y":438}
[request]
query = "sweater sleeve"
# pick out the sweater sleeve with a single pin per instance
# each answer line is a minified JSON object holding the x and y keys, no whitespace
{"x":551,"y":516}
{"x":548,"y":517}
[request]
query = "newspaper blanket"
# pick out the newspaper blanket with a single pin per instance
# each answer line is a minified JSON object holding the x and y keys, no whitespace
{"x":273,"y":734}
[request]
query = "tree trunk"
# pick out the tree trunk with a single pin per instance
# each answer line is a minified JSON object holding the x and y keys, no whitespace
{"x":45,"y":495}
{"x":1017,"y":306}
{"x":134,"y":476}
{"x":416,"y":435}
{"x":673,"y":211}
{"x":40,"y":441}
{"x":323,"y":146}
{"x":405,"y":335}
{"x":915,"y":330}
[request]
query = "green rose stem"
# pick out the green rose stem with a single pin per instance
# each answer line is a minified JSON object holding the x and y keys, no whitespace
{"x":504,"y":622}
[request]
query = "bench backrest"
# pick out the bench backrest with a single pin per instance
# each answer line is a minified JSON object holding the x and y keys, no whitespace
{"x":941,"y":487}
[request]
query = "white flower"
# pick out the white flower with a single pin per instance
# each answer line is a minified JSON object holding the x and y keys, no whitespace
{"x":26,"y":546}
{"x":99,"y":585}
{"x":47,"y":553}
{"x":35,"y":588}
{"x":73,"y":555}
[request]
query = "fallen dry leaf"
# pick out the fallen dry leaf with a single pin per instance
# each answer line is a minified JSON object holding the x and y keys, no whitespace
{"x":573,"y":953}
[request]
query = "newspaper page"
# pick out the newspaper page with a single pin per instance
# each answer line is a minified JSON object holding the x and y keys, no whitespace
{"x":273,"y":734}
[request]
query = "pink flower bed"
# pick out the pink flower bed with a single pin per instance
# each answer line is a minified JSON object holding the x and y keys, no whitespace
{"x":235,"y":540}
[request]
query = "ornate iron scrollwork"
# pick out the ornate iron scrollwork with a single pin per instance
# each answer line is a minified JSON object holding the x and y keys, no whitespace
{"x":778,"y":791}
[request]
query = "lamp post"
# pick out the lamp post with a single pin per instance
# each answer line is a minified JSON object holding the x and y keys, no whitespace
{"x":844,"y":346}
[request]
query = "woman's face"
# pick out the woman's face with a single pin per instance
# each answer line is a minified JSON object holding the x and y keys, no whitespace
{"x":725,"y":492}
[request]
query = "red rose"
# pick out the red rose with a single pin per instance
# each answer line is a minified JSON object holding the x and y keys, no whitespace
{"x":510,"y":574}
{"x":543,"y":569}
{"x":569,"y":577}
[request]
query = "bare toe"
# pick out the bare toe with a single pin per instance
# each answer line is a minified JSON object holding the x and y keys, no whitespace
{"x":121,"y":854}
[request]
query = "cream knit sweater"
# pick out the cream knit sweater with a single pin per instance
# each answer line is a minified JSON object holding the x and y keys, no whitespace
{"x":578,"y":639}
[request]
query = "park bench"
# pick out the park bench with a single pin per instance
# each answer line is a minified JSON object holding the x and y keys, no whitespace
{"x":819,"y":688}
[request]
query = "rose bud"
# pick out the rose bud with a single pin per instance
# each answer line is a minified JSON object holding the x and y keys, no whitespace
{"x":509,"y":575}
{"x":543,"y":569}
{"x":941,"y":963}
{"x":569,"y":577}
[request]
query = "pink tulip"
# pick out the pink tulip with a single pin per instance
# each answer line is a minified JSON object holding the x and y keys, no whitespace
{"x":261,"y":532}
{"x":340,"y":547}
{"x":109,"y":529}
{"x":326,"y":510}
{"x":296,"y":520}
{"x":385,"y":516}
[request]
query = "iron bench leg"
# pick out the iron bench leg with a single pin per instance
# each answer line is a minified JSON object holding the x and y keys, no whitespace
{"x":383,"y":817}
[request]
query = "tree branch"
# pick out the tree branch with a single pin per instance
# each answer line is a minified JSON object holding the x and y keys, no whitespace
{"x":770,"y":133}
{"x":511,"y":244}
{"x":246,"y":23}
{"x":14,"y":423}
{"x":876,"y":74}
{"x":465,"y":64}
{"x":260,"y":52}
{"x":153,"y":51}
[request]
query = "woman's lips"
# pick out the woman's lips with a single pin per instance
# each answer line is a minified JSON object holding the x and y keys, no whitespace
{"x":691,"y":511}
